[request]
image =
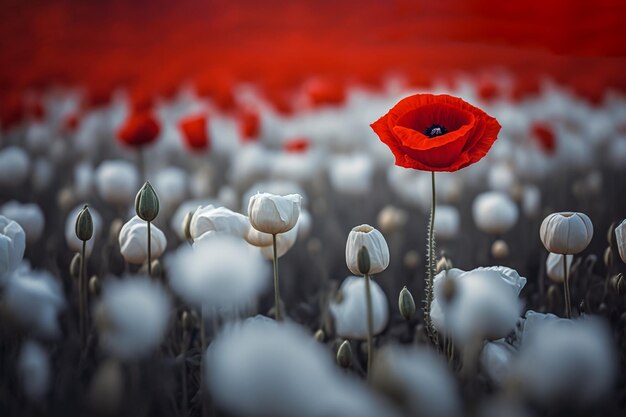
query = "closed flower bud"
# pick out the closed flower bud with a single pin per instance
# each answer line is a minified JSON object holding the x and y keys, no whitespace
{"x":363,"y":261}
{"x":411,"y":259}
{"x":186,"y":321}
{"x":620,"y":237}
{"x":500,"y":249}
{"x":443,"y":264}
{"x":319,"y":335}
{"x":391,"y":219}
{"x":75,"y":266}
{"x":274,"y":214}
{"x":406,"y":304}
{"x":608,"y":257}
{"x":344,"y":355}
{"x":377,"y":249}
{"x":553,"y":296}
{"x":94,"y":286}
{"x":84,"y":225}
{"x":566,"y":233}
{"x":619,"y":284}
{"x":554,"y":267}
{"x":610,"y":235}
{"x":147,"y":203}
{"x":186,"y":226}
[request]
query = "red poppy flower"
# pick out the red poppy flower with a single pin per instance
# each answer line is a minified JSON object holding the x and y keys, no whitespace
{"x":250,"y":125}
{"x":139,"y":129}
{"x":436,"y":132}
{"x":194,"y":129}
{"x":296,"y":145}
{"x":545,"y":138}
{"x":70,"y":123}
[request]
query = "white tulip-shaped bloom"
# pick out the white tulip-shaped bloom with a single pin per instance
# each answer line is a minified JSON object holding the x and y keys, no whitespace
{"x":566,"y":233}
{"x":132,"y":316}
{"x":220,"y":272}
{"x":12,"y":246}
{"x":14,"y":166}
{"x":274,"y":214}
{"x":72,"y":240}
{"x":278,"y":187}
{"x":33,"y":369}
{"x":485,"y":303}
{"x":117,"y":182}
{"x":218,"y":220}
{"x":494,"y":212}
{"x":447,"y":222}
{"x":189,"y":206}
{"x":554,"y":266}
{"x":133,"y":241}
{"x":28,"y":215}
{"x":620,"y":235}
{"x":350,"y":309}
{"x":367,"y":236}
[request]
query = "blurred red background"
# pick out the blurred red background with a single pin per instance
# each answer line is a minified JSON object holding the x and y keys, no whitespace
{"x":153,"y":46}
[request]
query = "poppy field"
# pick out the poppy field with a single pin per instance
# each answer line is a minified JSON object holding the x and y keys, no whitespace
{"x":312,"y":209}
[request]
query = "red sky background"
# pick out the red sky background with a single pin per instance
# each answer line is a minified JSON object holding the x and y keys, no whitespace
{"x":151,"y":46}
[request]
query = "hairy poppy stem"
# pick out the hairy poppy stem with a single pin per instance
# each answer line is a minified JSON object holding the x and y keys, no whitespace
{"x":431,"y":265}
{"x":277,"y":311}
{"x":149,"y":252}
{"x":370,"y":324}
{"x":568,"y":302}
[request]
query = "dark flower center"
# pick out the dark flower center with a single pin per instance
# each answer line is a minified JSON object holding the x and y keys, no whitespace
{"x":435,"y":130}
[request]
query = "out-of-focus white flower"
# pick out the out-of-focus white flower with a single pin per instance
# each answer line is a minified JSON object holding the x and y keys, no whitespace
{"x":496,"y":359}
{"x":284,"y":373}
{"x":172,"y":183}
{"x":531,"y":201}
{"x":370,"y":238}
{"x":132,"y":316}
{"x":421,"y":380}
{"x":300,"y":167}
{"x":176,"y":221}
{"x":43,"y":174}
{"x":501,"y":177}
{"x":12,"y":246}
{"x":221,"y":272}
{"x":35,"y":298}
{"x":274,"y":214}
{"x":117,"y":181}
{"x":305,"y":222}
{"x":37,"y":137}
{"x":218,"y":220}
{"x":616,"y":153}
{"x":494,"y":212}
{"x":33,"y":370}
{"x":83,"y":180}
{"x":28,"y":215}
{"x":250,"y":162}
{"x":72,"y":240}
{"x":350,"y":309}
{"x":566,"y":233}
{"x":14,"y":166}
{"x":351,"y":174}
{"x":133,"y":241}
{"x":484,"y":304}
{"x":554,"y":266}
{"x":566,"y":361}
{"x":447,"y":222}
{"x":620,"y":237}
{"x":391,"y":219}
{"x":227,"y":195}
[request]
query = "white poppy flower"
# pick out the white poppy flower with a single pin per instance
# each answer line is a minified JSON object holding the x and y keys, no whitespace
{"x":494,"y":212}
{"x":132,"y":316}
{"x":277,"y":187}
{"x":351,"y":174}
{"x":501,"y":177}
{"x":531,"y":201}
{"x":274,"y":214}
{"x":12,"y":246}
{"x":117,"y":181}
{"x":284,"y":242}
{"x":284,"y":373}
{"x":33,"y":369}
{"x":72,"y":240}
{"x":43,"y":174}
{"x":14,"y":166}
{"x":424,"y":384}
{"x":172,"y":183}
{"x":28,"y":215}
{"x":620,"y":236}
{"x":133,"y":241}
{"x":209,"y":219}
{"x":566,"y":233}
{"x":350,"y":310}
{"x":221,"y":272}
{"x":485,"y":303}
{"x":447,"y":222}
{"x":84,"y":177}
{"x":496,"y":359}
{"x":367,"y":236}
{"x":554,"y":266}
{"x":176,"y":221}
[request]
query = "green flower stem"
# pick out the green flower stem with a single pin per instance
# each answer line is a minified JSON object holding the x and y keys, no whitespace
{"x":149,"y":251}
{"x":568,"y":303}
{"x":370,"y":324}
{"x":277,"y":311}
{"x":82,"y":294}
{"x":431,"y":265}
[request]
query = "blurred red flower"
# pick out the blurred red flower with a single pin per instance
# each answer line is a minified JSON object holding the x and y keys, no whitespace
{"x":249,"y":124}
{"x":141,"y":128}
{"x":296,"y":145}
{"x":545,"y":137}
{"x":436,"y":132}
{"x":195,"y":134}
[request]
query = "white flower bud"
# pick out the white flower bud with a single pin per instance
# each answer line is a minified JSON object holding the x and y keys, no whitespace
{"x":620,"y":235}
{"x":274,"y":214}
{"x":566,"y":233}
{"x":373,"y":240}
{"x":554,"y":266}
{"x":133,"y":241}
{"x":12,"y":246}
{"x":494,"y":212}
